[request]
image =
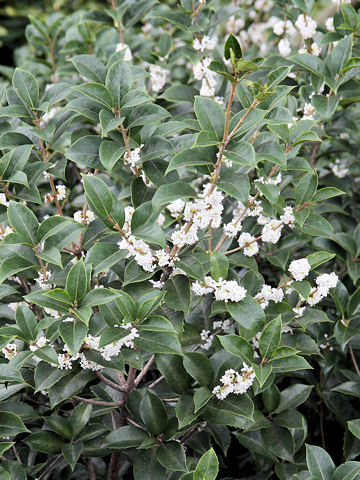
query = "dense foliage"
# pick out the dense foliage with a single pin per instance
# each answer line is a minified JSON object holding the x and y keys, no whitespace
{"x":179,"y":243}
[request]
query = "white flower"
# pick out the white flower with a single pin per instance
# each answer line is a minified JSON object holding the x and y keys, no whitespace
{"x":288,"y":217}
{"x":3,"y":200}
{"x":300,"y":269}
{"x":248,"y":241}
{"x":233,"y":228}
{"x":234,"y":25}
{"x":92,"y":342}
{"x":51,"y":312}
{"x":161,"y":219}
{"x":182,"y":237}
{"x":122,"y":46}
{"x":299,"y":311}
{"x":229,"y":290}
{"x":281,"y":26}
{"x":306,"y":25}
{"x":10,"y":351}
{"x":44,"y":277}
{"x":113,"y":349}
{"x":84,"y":219}
{"x":140,"y":250}
{"x":6,"y":232}
{"x":316,"y":295}
{"x":157,"y":284}
{"x":329,"y":24}
{"x":163,"y":257}
{"x":206,"y":43}
{"x":158,"y":77}
{"x":326,"y":281}
{"x":207,"y":210}
{"x":207,"y":338}
{"x":68,"y":319}
{"x":308,"y":111}
{"x":315,"y":49}
{"x":284,"y":47}
{"x":61,"y":192}
{"x":176,"y":207}
{"x":65,"y":361}
{"x":132,"y":157}
{"x":234,"y":382}
{"x":272,"y":231}
{"x":267,"y":294}
{"x":38,"y":343}
{"x":339,"y":169}
{"x":88,"y":364}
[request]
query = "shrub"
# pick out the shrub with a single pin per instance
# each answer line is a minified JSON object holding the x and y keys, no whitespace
{"x":179,"y":246}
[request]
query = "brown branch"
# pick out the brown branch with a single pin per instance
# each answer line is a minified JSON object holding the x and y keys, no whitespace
{"x":110,"y":383}
{"x":144,"y":371}
{"x":91,"y":468}
{"x":99,"y":402}
{"x":356,"y":366}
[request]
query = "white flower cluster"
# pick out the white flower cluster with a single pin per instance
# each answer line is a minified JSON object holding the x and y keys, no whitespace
{"x":84,"y":219}
{"x":224,"y":325}
{"x":112,"y":350}
{"x":205,"y":43}
{"x":234,"y":382}
{"x":43,"y":278}
{"x":38,"y":343}
{"x":306,"y":25}
{"x":60,"y":194}
{"x":234,"y":25}
{"x":4,"y":232}
{"x":308,"y":110}
{"x":10,"y":351}
{"x":51,"y":312}
{"x":207,"y":339}
{"x":329,"y":24}
{"x":248,"y":241}
{"x":201,"y":213}
{"x":132,"y":157}
{"x":271,"y":232}
{"x":284,"y":47}
{"x":324,"y":283}
{"x":176,"y":207}
{"x":339,"y":168}
{"x":283,"y":26}
{"x":269,"y":181}
{"x":300,"y":269}
{"x":224,"y":290}
{"x":267,"y":294}
{"x":158,"y":77}
{"x":315,"y":49}
{"x":3,"y":200}
{"x":208,"y":77}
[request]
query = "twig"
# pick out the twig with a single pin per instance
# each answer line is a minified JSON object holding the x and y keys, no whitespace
{"x":354,"y":359}
{"x":155,"y":382}
{"x":49,"y":467}
{"x":144,"y":371}
{"x":110,"y":383}
{"x":99,"y":402}
{"x":91,"y":468}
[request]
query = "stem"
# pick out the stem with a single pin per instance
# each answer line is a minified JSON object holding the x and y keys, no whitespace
{"x":144,"y":371}
{"x":354,"y":359}
{"x":49,"y":467}
{"x":91,"y":468}
{"x":98,"y":402}
{"x":110,"y":383}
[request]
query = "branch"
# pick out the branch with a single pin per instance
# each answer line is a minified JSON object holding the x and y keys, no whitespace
{"x":110,"y":383}
{"x":144,"y":371}
{"x":99,"y":402}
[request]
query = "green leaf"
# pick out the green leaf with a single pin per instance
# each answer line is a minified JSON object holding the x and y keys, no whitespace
{"x":238,"y":346}
{"x":85,"y":151}
{"x":317,"y":226}
{"x":327,"y":192}
{"x":77,"y":281}
{"x":72,"y":452}
{"x":99,"y":296}
{"x":210,"y":115}
{"x":135,"y":98}
{"x":270,"y":337}
{"x":293,"y":396}
{"x":157,"y":335}
{"x":354,"y":427}
{"x":112,"y":334}
{"x":90,"y":67}
{"x":219,"y":265}
{"x":242,"y":153}
{"x":305,"y":188}
{"x":232,"y":44}
{"x":318,"y":258}
{"x":341,"y":53}
{"x":118,"y":81}
{"x":262,"y":373}
{"x":208,"y":466}
{"x":153,"y":413}
{"x":11,"y":425}
{"x":44,"y":441}
{"x":178,"y":294}
{"x":10,"y":374}
{"x":96,"y":92}
{"x":73,"y":334}
{"x":319,"y":462}
{"x":171,"y":367}
{"x":199,"y":367}
{"x":79,"y":418}
{"x":279,"y":441}
{"x":27,"y":322}
{"x":171,"y":455}
{"x":59,"y":425}
{"x":98,"y":194}
{"x":69,"y":386}
{"x":201,"y":397}
{"x":108,"y":122}
{"x":126,"y":305}
{"x":248,"y":314}
{"x":347,"y":471}
{"x":189,"y":158}
{"x":23,"y":220}
{"x":169,"y":192}
{"x":125,"y":437}
{"x":26,"y":87}
{"x":146,"y":466}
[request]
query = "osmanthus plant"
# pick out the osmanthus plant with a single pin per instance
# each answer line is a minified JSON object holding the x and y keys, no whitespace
{"x":179,"y":254}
